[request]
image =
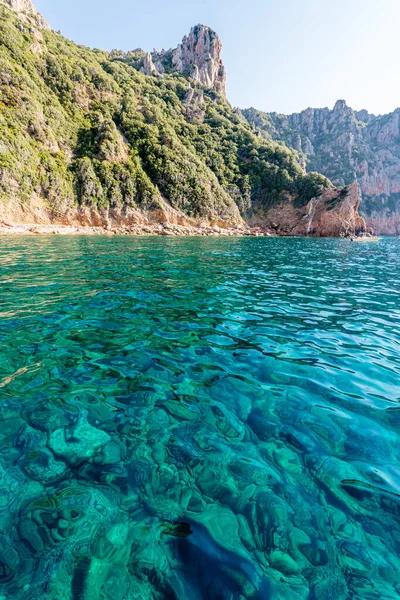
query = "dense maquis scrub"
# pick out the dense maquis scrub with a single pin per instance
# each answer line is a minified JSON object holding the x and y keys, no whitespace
{"x":199,"y":419}
{"x":83,"y":127}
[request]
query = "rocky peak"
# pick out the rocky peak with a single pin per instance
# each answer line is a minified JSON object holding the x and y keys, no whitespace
{"x":341,"y":112}
{"x":27,"y":11}
{"x":364,"y":116}
{"x":340,"y":105}
{"x":21,"y":5}
{"x":199,"y":56}
{"x":148,"y":65}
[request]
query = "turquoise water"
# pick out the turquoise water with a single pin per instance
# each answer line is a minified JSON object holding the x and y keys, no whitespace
{"x":199,"y":419}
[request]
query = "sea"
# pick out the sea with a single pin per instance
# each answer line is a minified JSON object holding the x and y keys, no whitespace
{"x":199,"y":418}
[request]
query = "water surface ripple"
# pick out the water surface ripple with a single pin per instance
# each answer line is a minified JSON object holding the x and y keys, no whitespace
{"x":199,"y":419}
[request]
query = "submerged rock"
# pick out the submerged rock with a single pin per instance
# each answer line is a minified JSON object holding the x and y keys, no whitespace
{"x":79,"y":444}
{"x":146,"y":457}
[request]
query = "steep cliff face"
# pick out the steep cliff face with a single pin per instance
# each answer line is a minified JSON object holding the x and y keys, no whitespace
{"x":346,"y":146}
{"x":149,"y":67}
{"x":199,"y":57}
{"x":332,"y":214}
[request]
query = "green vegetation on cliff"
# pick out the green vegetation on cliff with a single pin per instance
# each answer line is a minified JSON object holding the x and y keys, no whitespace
{"x":85,"y":128}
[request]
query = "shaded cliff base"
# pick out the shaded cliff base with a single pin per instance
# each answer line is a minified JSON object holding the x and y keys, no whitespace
{"x":152,"y":229}
{"x":333,"y":214}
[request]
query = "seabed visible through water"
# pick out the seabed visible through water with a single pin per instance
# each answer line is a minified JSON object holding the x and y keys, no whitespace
{"x":199,"y":419}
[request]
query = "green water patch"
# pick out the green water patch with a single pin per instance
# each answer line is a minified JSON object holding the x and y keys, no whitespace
{"x":199,"y":419}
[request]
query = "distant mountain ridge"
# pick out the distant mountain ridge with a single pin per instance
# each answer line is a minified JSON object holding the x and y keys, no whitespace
{"x":346,"y":146}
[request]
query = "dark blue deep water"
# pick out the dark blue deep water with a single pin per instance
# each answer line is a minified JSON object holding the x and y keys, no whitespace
{"x":194,"y":419}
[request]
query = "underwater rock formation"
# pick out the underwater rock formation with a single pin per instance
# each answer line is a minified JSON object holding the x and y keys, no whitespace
{"x":231,"y":443}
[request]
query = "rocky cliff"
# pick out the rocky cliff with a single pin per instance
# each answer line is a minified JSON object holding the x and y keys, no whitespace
{"x":347,"y":146}
{"x":199,"y":57}
{"x":332,"y":214}
{"x":110,"y":138}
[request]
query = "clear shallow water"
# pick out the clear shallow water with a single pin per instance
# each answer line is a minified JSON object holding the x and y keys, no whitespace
{"x":199,"y":419}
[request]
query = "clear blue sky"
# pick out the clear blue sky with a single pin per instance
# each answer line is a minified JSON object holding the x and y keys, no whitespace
{"x":280,"y":55}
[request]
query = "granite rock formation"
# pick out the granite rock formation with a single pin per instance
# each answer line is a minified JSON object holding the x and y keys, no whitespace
{"x":148,"y":65}
{"x":199,"y":57}
{"x":346,"y":146}
{"x":333,"y":214}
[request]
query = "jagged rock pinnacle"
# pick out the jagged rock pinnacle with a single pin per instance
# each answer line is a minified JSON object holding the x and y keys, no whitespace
{"x":340,"y":105}
{"x":199,"y":56}
{"x":148,"y":65}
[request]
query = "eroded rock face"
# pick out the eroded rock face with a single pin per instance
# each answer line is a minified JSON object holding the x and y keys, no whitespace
{"x":199,"y":57}
{"x":27,"y":11}
{"x":333,"y":214}
{"x":148,"y":66}
{"x":21,"y":5}
{"x":347,"y":146}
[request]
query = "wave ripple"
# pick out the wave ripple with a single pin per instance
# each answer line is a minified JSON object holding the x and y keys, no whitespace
{"x":199,"y":418}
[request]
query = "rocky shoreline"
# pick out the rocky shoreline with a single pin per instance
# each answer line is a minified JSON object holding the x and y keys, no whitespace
{"x":332,"y":214}
{"x":135,"y":230}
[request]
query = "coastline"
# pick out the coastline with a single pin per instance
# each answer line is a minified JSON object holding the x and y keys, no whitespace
{"x":332,"y":214}
{"x":156,"y":229}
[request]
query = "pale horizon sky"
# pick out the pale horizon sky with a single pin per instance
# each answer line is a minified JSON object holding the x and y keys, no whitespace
{"x":281,"y":56}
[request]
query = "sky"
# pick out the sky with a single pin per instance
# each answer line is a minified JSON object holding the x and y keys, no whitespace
{"x":280,"y":55}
